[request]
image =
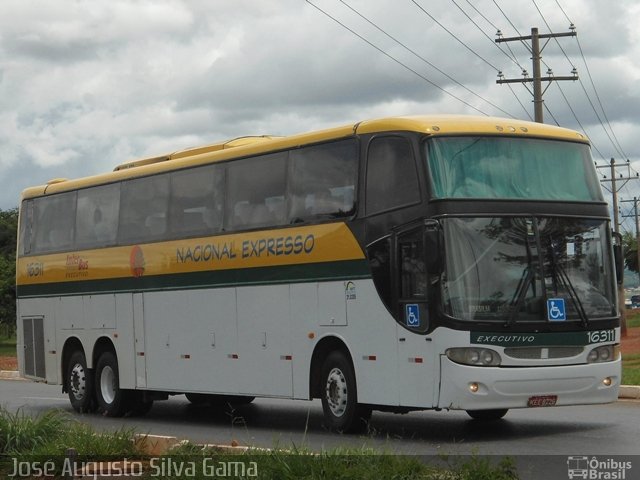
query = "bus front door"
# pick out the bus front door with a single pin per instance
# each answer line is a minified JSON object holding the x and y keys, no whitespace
{"x":417,"y":361}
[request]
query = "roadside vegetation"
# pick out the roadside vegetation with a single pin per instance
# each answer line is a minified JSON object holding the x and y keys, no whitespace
{"x":47,"y":437}
{"x":7,"y":345}
{"x":631,"y":360}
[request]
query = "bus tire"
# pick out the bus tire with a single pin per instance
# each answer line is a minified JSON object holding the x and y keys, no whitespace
{"x":339,"y":396}
{"x":487,"y":415}
{"x":80,"y":384}
{"x":112,"y":400}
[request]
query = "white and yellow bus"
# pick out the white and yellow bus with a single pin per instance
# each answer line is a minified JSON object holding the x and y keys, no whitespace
{"x":434,"y":262}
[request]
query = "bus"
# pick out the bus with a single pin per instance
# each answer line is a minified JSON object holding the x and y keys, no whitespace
{"x":397,"y":264}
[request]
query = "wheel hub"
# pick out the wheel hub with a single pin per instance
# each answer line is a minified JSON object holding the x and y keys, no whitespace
{"x":336,"y":392}
{"x":78,"y":381}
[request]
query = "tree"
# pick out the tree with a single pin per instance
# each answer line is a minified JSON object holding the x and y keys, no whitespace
{"x":630,"y":247}
{"x":8,"y":236}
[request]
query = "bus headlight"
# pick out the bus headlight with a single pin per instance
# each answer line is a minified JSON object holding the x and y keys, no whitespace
{"x":606,"y":353}
{"x":478,"y":357}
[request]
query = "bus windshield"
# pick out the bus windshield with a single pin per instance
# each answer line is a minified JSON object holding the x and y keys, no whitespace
{"x":506,"y":268}
{"x":511,"y":168}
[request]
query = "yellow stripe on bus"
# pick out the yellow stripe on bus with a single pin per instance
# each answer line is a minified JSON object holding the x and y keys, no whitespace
{"x":266,"y":248}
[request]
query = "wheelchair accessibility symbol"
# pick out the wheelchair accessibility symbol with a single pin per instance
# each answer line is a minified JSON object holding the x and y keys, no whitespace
{"x":556,"y":310}
{"x":412,"y":315}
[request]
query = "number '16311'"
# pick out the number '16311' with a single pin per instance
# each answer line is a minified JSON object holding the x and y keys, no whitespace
{"x":602,"y":336}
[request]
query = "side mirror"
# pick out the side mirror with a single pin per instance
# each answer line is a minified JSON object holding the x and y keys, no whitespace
{"x":618,"y":256}
{"x":433,"y":243}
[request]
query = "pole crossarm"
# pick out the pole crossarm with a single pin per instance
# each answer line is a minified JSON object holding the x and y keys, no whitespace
{"x":530,"y":80}
{"x":541,"y":35}
{"x":536,"y":58}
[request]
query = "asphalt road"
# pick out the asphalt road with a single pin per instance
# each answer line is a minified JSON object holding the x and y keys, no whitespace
{"x":602,"y":430}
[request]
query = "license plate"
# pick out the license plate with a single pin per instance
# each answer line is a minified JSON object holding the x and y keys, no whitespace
{"x":542,"y":401}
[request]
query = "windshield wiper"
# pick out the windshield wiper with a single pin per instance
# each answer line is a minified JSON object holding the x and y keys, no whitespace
{"x":519,"y":295}
{"x":528,"y":275}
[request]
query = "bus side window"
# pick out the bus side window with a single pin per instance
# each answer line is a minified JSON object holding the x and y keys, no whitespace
{"x":197,"y":197}
{"x":54,"y":222}
{"x":379,"y":254}
{"x":143,"y":209}
{"x":97,"y":216}
{"x":252,"y":185}
{"x":322,"y":180}
{"x":26,"y":226}
{"x":392,"y":180}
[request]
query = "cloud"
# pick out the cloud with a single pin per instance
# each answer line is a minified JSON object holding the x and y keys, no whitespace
{"x":86,"y":85}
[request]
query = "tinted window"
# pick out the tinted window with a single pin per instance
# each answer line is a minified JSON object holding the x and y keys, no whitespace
{"x":143,"y":209}
{"x":54,"y":222}
{"x":413,"y":273}
{"x":379,"y":255}
{"x":197,"y":197}
{"x":26,"y":224}
{"x":392,"y":180}
{"x":323,"y":179}
{"x":256,"y":192}
{"x":513,"y":167}
{"x":97,"y":216}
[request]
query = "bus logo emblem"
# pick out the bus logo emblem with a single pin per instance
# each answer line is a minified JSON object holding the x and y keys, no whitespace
{"x":556,"y":310}
{"x":136,"y":261}
{"x":412,"y":315}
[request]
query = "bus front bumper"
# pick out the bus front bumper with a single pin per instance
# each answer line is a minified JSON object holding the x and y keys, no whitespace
{"x":482,"y":388}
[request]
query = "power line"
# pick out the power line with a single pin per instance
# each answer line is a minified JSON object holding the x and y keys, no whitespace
{"x":595,"y":90}
{"x":508,"y":19}
{"x":572,"y":27}
{"x":511,"y":57}
{"x":577,"y":120}
{"x":521,"y":104}
{"x":551,"y":31}
{"x":454,"y":36}
{"x":416,"y":54}
{"x":395,"y":59}
{"x":485,"y":34}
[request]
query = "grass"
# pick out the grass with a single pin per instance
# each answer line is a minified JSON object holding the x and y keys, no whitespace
{"x":53,"y":432}
{"x":8,"y":347}
{"x":48,"y":436}
{"x":45,"y":438}
{"x":351,"y":463}
{"x":633,"y":318}
{"x":631,"y":369}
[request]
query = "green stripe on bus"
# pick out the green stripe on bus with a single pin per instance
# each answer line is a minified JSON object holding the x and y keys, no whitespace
{"x":301,"y":273}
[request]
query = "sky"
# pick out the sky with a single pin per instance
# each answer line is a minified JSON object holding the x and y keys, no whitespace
{"x":89,"y":84}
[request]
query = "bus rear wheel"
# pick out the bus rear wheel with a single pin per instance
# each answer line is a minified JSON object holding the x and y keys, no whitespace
{"x":495,"y":414}
{"x":339,"y":396}
{"x":80,"y":384}
{"x":112,"y":400}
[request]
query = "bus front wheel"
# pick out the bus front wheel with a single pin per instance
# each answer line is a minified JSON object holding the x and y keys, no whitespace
{"x":339,"y":396}
{"x":112,"y":400}
{"x":495,"y":414}
{"x":80,"y":384}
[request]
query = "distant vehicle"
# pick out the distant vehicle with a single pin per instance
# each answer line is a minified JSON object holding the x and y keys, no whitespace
{"x":635,"y":301}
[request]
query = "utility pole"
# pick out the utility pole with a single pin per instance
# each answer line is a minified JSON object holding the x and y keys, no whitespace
{"x":536,"y":57}
{"x":615,"y":187}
